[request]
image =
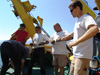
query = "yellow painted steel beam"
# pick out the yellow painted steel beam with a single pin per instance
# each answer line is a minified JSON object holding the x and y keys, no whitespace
{"x":40,"y":20}
{"x":98,"y":4}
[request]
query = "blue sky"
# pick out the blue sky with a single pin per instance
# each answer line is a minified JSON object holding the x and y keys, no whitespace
{"x":52,"y":11}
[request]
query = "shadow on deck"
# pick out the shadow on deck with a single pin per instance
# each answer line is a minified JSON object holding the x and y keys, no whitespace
{"x":36,"y":71}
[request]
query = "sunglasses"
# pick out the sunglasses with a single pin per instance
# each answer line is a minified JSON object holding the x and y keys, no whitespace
{"x":71,"y":10}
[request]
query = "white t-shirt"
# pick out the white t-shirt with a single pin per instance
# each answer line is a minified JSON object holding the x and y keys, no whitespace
{"x":84,"y":49}
{"x":40,"y":38}
{"x":59,"y":47}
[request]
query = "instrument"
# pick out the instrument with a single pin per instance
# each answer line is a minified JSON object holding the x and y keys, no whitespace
{"x":94,"y":66}
{"x":97,"y":19}
{"x":94,"y":63}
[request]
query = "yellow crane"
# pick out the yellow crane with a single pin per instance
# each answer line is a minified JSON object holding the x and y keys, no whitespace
{"x":98,"y":4}
{"x":22,"y":9}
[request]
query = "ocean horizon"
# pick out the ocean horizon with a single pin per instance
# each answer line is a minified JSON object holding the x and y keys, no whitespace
{"x":27,"y":42}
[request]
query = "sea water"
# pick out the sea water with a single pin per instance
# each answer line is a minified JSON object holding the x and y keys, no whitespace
{"x":0,"y":61}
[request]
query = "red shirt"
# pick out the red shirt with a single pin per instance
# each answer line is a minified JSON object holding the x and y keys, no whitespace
{"x":21,"y":35}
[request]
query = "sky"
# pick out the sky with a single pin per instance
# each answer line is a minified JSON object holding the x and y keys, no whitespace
{"x":51,"y":11}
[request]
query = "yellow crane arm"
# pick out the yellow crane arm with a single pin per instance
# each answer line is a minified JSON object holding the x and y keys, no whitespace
{"x":98,"y":4}
{"x":25,"y":17}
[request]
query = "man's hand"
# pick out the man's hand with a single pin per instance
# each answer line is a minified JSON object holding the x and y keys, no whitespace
{"x":63,"y":39}
{"x":58,"y":39}
{"x":71,"y":44}
{"x":21,"y":73}
{"x":41,"y":43}
{"x":32,"y":44}
{"x":23,"y":42}
{"x":52,"y":41}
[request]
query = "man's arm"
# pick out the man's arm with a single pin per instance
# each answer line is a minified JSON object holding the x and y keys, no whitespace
{"x":22,"y":61}
{"x":52,"y":41}
{"x":13,"y":37}
{"x":24,"y":55}
{"x":46,"y":40}
{"x":12,"y":64}
{"x":23,"y":42}
{"x":68,"y":37}
{"x":25,"y":39}
{"x":42,"y":43}
{"x":92,"y":31}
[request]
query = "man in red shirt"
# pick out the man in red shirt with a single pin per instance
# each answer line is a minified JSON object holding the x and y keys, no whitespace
{"x":20,"y":35}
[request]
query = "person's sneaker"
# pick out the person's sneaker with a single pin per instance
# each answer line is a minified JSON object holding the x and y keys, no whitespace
{"x":95,"y":8}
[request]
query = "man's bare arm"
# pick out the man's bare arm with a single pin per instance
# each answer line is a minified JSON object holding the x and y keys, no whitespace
{"x":24,"y":40}
{"x":92,"y":31}
{"x":13,"y":37}
{"x":68,"y":37}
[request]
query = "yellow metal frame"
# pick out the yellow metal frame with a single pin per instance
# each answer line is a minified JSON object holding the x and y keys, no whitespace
{"x":21,"y":9}
{"x":98,"y":4}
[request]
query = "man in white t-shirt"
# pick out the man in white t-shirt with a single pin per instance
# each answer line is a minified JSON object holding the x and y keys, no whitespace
{"x":84,"y":30}
{"x":59,"y":50}
{"x":39,"y":40}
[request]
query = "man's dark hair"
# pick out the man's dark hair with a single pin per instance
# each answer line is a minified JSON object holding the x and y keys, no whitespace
{"x":22,"y":25}
{"x":76,"y":3}
{"x":37,"y":27}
